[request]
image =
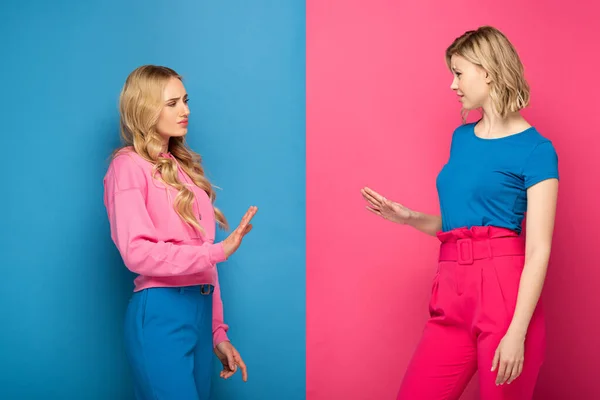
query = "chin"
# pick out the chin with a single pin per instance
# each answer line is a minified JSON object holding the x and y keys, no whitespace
{"x":180,"y":134}
{"x":472,"y":106}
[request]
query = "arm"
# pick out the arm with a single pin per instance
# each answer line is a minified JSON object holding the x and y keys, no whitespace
{"x":219,"y":328}
{"x":135,"y":236}
{"x":541,"y":210}
{"x":396,"y":212}
{"x":426,"y":223}
{"x":224,"y":350}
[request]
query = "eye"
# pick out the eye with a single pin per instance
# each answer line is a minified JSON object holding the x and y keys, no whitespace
{"x":186,"y":101}
{"x":171,"y":105}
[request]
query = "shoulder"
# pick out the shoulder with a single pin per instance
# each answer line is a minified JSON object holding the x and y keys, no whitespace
{"x":127,"y":158}
{"x":541,"y":161}
{"x":128,"y":169}
{"x":538,"y":143}
{"x":463,"y":129}
{"x":460,"y":135}
{"x":462,"y":132}
{"x":536,"y":137}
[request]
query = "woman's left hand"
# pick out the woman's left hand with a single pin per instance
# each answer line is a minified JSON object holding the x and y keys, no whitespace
{"x":509,"y":357}
{"x":231,"y":359}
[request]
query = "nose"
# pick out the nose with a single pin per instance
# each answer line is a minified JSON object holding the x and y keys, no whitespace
{"x":186,"y":110}
{"x":454,"y":84}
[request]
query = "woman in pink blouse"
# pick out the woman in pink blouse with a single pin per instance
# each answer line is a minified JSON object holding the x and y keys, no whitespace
{"x":163,"y":222}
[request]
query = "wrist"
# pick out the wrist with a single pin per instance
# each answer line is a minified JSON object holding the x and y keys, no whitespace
{"x":516,"y":331}
{"x":220,"y":336}
{"x":226,"y":249}
{"x":413,"y":216}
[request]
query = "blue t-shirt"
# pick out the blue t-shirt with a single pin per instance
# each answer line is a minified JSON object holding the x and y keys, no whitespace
{"x":485,"y":181}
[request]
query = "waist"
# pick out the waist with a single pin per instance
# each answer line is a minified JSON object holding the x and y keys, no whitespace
{"x":142,"y":282}
{"x":492,"y":242}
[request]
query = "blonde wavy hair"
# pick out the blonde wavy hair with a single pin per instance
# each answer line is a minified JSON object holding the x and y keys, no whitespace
{"x":490,"y":49}
{"x":140,"y":105}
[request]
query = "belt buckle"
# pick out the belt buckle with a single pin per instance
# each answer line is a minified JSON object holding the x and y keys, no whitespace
{"x":205,"y":289}
{"x":464,"y":246}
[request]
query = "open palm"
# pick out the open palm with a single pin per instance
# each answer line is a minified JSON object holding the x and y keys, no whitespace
{"x":233,"y":241}
{"x":385,"y":208}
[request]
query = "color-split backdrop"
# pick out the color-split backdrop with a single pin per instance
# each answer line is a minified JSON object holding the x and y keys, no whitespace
{"x":295,"y":105}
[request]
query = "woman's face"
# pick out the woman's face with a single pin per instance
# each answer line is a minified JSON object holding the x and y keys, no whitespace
{"x":173,"y":119}
{"x":471,"y":83}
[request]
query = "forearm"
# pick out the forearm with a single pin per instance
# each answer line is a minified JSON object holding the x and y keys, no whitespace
{"x":530,"y":289}
{"x":426,"y":223}
{"x":141,"y":247}
{"x":219,"y":327}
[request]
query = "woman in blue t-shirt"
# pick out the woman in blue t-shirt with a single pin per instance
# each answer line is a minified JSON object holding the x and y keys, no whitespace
{"x":484,"y":311}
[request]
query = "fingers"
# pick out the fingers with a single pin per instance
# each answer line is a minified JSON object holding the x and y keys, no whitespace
{"x":247,"y":218}
{"x":495,"y":360}
{"x":240,"y":362}
{"x":226,"y":373}
{"x":373,"y":194}
{"x":233,"y":241}
{"x":504,"y":372}
{"x":516,"y":371}
{"x":249,"y":214}
{"x":229,"y":367}
{"x":243,"y":232}
{"x":230,"y":360}
{"x":501,"y":371}
{"x":374,"y":211}
{"x":374,"y":201}
{"x":519,"y":370}
{"x":509,"y":371}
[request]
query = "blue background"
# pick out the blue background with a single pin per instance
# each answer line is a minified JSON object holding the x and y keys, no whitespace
{"x":63,"y":288}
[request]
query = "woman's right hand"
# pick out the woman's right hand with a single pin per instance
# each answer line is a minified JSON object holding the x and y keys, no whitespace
{"x":233,"y":241}
{"x":385,"y":208}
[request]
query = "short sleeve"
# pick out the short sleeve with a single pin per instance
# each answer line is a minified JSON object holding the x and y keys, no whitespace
{"x":541,"y":164}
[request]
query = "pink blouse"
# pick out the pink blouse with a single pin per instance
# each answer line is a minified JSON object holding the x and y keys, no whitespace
{"x":153,"y":240}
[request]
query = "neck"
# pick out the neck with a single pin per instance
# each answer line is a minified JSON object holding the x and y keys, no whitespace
{"x":165,"y":145}
{"x":493,"y":125}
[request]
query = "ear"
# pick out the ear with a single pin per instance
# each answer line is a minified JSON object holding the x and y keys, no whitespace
{"x":488,"y":79}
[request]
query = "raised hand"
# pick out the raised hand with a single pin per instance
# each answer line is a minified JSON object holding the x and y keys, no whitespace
{"x":233,"y":241}
{"x":385,"y":208}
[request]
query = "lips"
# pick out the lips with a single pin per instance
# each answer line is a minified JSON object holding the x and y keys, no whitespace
{"x":184,"y":122}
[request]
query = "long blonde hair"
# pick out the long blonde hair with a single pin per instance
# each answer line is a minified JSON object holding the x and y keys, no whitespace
{"x":490,"y":49}
{"x":140,"y":104}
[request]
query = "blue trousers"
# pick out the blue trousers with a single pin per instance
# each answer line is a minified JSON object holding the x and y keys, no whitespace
{"x":168,"y":342}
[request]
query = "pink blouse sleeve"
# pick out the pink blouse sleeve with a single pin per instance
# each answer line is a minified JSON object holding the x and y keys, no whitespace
{"x":218,"y":325}
{"x":134,"y":234}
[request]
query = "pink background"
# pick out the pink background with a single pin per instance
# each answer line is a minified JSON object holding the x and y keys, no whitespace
{"x":380,"y":113}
